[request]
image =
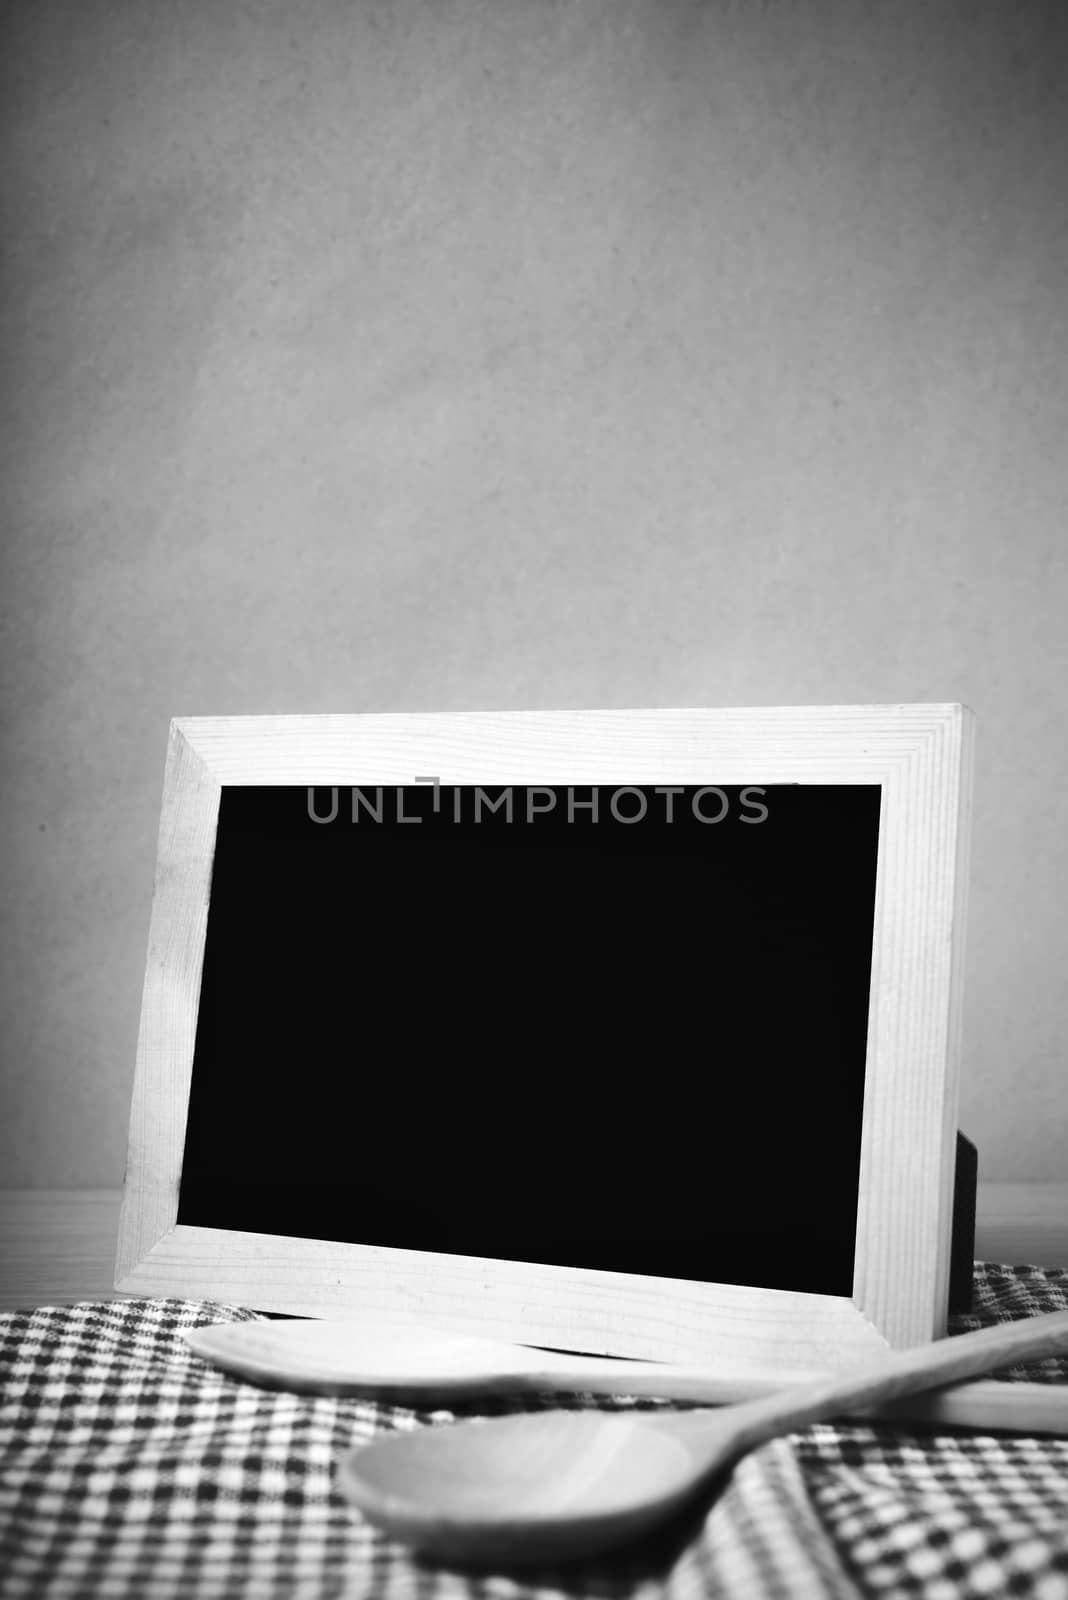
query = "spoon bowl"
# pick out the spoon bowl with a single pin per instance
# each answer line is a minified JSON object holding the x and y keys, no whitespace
{"x":429,"y":1366}
{"x":521,"y":1478}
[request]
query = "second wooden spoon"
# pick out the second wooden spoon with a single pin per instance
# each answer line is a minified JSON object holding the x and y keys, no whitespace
{"x":427,"y":1367}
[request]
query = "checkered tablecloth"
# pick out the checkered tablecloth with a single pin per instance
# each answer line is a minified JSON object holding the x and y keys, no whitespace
{"x":130,"y":1468}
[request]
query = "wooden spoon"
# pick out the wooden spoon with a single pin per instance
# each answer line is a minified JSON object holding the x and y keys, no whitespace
{"x":558,"y":1485}
{"x":426,"y":1367}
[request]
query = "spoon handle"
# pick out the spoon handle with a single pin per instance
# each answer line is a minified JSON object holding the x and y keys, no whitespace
{"x":900,"y":1373}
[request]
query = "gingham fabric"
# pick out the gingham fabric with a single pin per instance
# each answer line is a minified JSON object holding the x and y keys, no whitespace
{"x":130,"y":1468}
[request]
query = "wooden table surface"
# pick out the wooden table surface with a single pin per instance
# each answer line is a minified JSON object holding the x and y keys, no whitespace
{"x":58,"y":1245}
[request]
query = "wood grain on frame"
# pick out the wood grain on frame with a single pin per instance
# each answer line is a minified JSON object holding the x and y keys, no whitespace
{"x":921,"y":757}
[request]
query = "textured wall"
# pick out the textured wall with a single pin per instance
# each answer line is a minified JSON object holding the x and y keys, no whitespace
{"x":503,"y":353}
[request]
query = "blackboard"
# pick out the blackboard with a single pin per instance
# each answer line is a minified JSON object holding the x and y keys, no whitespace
{"x":602,"y":1027}
{"x":634,"y":1031}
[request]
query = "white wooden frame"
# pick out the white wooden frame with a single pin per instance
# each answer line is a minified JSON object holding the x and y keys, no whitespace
{"x":920,"y":754}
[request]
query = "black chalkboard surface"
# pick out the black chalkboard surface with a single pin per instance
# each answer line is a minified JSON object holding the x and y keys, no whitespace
{"x":633,"y":1040}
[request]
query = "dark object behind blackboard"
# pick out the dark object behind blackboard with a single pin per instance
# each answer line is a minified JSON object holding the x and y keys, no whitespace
{"x":962,"y":1249}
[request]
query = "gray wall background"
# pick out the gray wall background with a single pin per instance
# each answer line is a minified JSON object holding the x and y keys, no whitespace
{"x":459,"y":354}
